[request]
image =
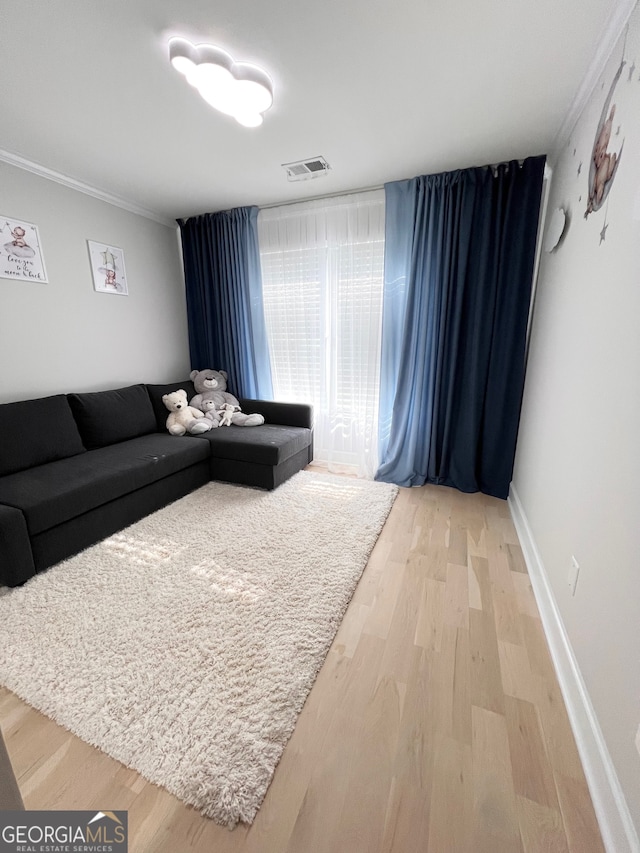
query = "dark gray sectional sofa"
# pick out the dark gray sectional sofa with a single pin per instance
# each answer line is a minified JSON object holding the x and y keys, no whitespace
{"x":76,"y":468}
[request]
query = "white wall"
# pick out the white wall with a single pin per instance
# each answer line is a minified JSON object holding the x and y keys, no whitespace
{"x":577,"y":473}
{"x":64,"y":336}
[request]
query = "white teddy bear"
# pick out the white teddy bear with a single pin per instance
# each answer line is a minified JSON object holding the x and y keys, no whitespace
{"x":183,"y":417}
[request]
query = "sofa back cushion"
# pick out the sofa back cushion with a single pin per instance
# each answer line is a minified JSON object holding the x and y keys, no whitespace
{"x":33,"y":432}
{"x":108,"y":417}
{"x":156,"y":393}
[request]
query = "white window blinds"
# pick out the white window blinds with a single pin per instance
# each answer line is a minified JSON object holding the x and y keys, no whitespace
{"x":322,"y":273}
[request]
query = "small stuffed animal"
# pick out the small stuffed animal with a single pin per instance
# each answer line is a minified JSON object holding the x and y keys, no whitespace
{"x":212,"y":385}
{"x":211,"y":413}
{"x":183,"y":417}
{"x":227,"y":414}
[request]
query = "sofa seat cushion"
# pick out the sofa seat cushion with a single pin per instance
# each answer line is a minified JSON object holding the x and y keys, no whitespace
{"x":58,"y":491}
{"x":268,"y":444}
{"x":33,"y":432}
{"x":108,"y":417}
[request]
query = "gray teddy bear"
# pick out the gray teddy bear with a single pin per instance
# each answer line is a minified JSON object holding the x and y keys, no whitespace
{"x":213,"y":396}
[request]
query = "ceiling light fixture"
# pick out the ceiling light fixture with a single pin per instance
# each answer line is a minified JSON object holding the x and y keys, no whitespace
{"x":238,"y":89}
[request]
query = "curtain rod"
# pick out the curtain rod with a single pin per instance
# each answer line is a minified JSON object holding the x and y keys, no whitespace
{"x":493,"y":166}
{"x":349,"y":192}
{"x":320,"y":197}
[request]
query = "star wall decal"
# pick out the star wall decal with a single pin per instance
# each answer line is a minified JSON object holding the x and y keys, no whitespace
{"x":603,"y":233}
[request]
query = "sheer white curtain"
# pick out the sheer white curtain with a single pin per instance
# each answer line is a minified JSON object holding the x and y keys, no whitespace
{"x":322,"y":273}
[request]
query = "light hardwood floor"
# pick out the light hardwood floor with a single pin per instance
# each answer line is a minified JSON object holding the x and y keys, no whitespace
{"x":436,"y":723}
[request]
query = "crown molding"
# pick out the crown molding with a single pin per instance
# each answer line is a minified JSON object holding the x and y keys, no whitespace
{"x":80,"y":186}
{"x":603,"y":51}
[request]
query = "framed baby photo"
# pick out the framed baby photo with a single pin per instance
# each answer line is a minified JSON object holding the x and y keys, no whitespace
{"x":107,"y":267}
{"x":20,"y":251}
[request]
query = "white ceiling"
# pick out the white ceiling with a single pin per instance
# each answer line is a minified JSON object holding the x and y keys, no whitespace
{"x":384,"y":89}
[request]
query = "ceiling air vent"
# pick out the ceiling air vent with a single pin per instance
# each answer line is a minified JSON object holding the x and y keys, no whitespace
{"x":304,"y":170}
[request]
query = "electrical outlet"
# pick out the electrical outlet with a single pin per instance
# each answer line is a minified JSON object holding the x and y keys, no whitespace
{"x":572,"y":578}
{"x":638,"y":740}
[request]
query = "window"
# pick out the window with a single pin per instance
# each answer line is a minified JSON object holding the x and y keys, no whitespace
{"x":322,"y":274}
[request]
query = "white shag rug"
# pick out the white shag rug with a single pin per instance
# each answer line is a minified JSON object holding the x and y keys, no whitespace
{"x":185,"y":646}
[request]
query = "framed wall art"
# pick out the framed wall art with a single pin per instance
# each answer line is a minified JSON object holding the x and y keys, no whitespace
{"x":107,"y":267}
{"x":20,"y":251}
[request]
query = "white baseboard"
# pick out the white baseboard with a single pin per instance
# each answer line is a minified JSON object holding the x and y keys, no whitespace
{"x":618,"y":832}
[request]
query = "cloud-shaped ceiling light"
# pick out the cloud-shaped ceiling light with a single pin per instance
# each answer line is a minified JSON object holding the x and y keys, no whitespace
{"x":237,"y":89}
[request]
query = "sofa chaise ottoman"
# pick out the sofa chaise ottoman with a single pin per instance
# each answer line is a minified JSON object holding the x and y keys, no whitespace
{"x":76,"y":468}
{"x":262,"y":456}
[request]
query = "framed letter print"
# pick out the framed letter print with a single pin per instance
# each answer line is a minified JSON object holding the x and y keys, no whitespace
{"x":20,"y":251}
{"x":107,"y":266}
